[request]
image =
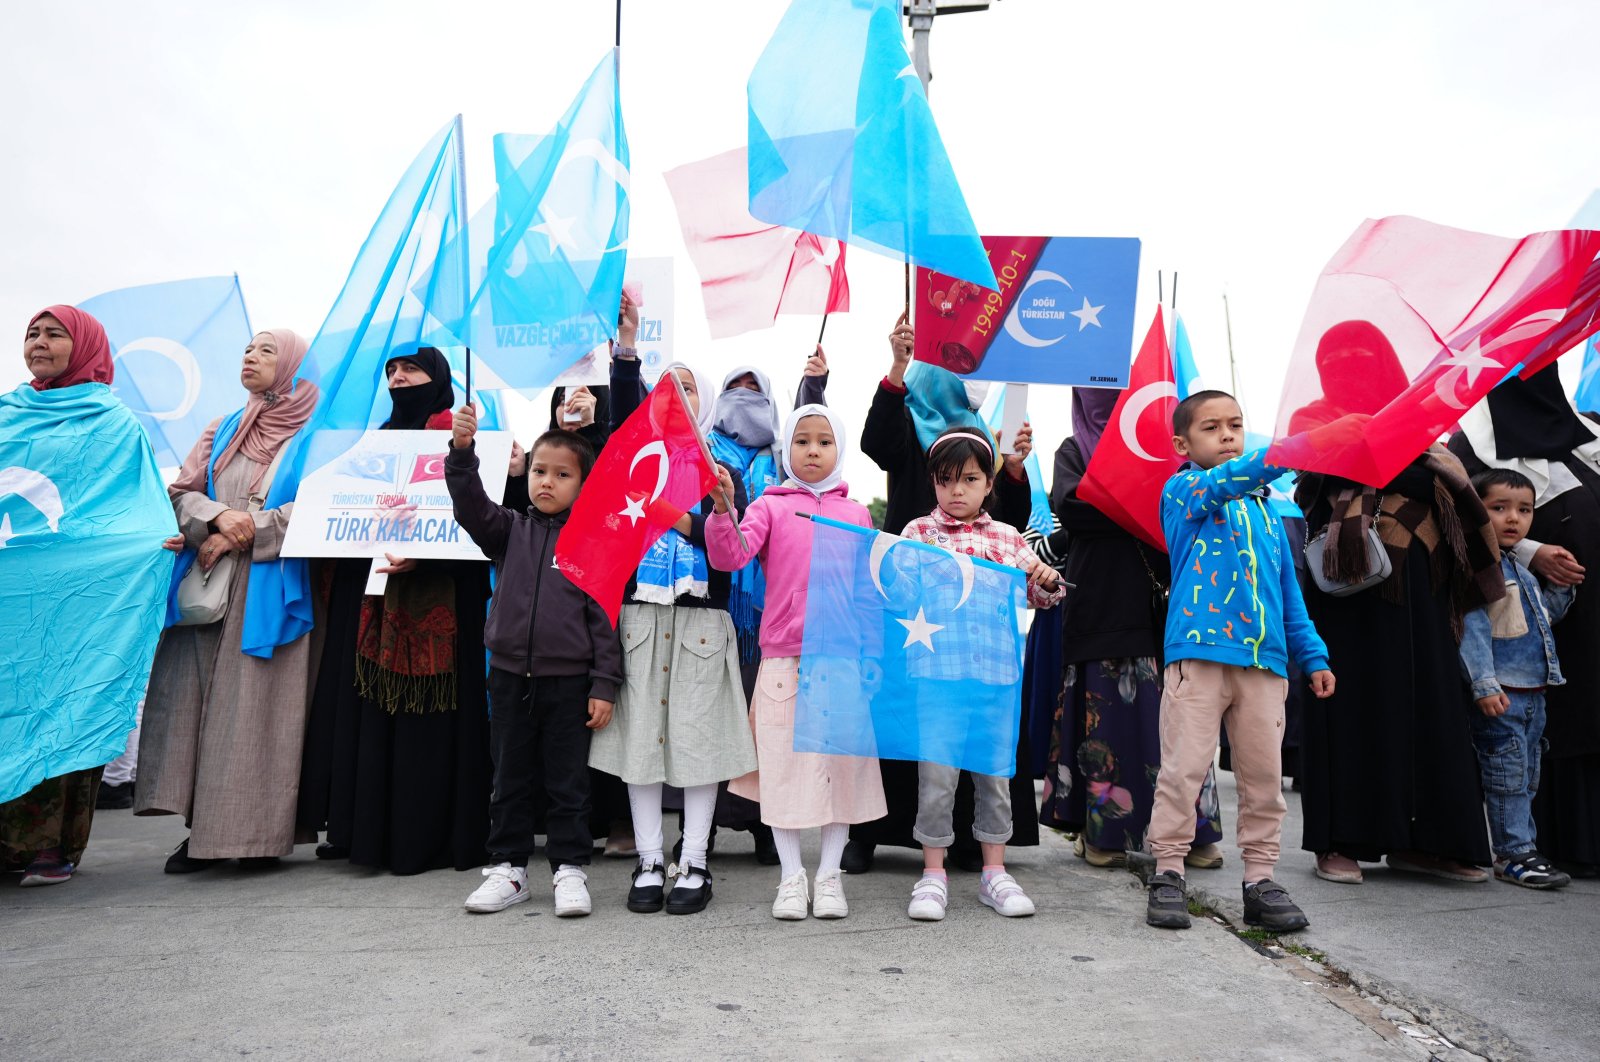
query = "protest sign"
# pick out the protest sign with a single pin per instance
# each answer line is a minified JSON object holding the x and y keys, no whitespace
{"x":1063,"y":313}
{"x":386,"y":493}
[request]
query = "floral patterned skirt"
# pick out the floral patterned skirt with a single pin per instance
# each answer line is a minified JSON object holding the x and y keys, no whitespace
{"x":1105,"y":753}
{"x":56,"y":813}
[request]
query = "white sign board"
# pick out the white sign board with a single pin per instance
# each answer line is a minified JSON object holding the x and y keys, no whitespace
{"x":648,"y":282}
{"x":387,"y":494}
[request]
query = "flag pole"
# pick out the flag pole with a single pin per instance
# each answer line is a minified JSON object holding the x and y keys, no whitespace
{"x":824,"y":327}
{"x":466,"y":259}
{"x":1233,"y":366}
{"x":619,"y":25}
{"x":1174,"y":291}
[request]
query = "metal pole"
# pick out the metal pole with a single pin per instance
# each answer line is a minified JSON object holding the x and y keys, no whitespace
{"x":922,"y":12}
{"x":1233,"y":367}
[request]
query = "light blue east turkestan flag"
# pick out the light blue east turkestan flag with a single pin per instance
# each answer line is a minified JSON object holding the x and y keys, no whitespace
{"x":1588,"y":393}
{"x":910,"y":652}
{"x":550,"y":250}
{"x":177,"y":347}
{"x":1187,"y":374}
{"x":1040,"y":516}
{"x":843,"y":144}
{"x":83,"y":579}
{"x":407,"y":287}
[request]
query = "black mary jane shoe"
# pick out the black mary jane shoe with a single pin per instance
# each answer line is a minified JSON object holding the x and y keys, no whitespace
{"x":181,"y":862}
{"x":329,"y":850}
{"x":685,"y":900}
{"x":647,"y":899}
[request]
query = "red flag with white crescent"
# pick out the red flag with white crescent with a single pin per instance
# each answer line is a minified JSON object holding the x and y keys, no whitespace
{"x":1411,"y":323}
{"x":1134,"y":457}
{"x":654,"y":468}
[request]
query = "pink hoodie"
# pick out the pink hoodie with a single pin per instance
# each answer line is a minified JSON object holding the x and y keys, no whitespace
{"x":783,"y":542}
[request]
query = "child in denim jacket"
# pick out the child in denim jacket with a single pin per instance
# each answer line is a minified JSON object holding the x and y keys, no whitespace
{"x":1509,"y":655}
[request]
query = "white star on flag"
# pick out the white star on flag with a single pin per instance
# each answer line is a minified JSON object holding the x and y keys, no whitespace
{"x":558,"y":231}
{"x":1464,"y":366}
{"x":6,"y":534}
{"x":1088,"y":315}
{"x":634,"y":511}
{"x":919,"y":629}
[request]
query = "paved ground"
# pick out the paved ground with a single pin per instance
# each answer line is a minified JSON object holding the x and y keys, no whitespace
{"x":1501,"y":970}
{"x":317,"y":960}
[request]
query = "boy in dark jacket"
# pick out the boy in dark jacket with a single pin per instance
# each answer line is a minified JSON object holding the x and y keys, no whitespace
{"x":554,"y":666}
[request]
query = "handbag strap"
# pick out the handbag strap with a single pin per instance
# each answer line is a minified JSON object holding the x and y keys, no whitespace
{"x":258,"y":496}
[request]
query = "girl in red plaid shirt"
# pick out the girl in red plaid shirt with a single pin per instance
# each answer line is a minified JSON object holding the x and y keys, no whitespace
{"x":962,"y":464}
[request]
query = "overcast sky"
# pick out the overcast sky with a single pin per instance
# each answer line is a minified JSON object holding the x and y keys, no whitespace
{"x":1241,"y":142}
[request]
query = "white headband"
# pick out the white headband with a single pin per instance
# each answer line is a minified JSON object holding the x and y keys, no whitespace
{"x":988,"y":444}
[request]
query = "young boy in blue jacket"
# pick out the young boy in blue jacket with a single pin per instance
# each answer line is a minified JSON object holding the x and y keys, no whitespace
{"x":1234,"y":617}
{"x":1509,"y":655}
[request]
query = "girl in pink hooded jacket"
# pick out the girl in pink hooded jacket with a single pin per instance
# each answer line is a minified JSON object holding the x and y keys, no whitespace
{"x":797,"y":790}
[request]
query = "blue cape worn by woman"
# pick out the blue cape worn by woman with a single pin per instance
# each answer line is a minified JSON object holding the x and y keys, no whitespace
{"x":83,"y":577}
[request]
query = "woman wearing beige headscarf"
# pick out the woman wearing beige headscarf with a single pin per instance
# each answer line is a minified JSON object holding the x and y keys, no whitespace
{"x":223,"y":726}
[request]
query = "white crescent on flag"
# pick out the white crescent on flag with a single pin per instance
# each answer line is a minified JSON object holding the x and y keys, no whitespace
{"x":634,"y":508}
{"x":1133,"y":409}
{"x":188,"y":366}
{"x":37,"y":490}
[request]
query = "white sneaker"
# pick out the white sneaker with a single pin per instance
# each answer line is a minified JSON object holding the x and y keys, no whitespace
{"x":829,"y":902}
{"x":929,"y":898}
{"x":790,"y":906}
{"x":1004,"y":894}
{"x":503,"y":886}
{"x":572,"y":895}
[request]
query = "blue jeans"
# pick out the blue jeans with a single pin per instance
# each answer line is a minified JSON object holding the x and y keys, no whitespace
{"x":1509,"y":749}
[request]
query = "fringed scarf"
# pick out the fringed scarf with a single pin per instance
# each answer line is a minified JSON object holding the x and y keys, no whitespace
{"x":1463,"y":553}
{"x":406,"y":645}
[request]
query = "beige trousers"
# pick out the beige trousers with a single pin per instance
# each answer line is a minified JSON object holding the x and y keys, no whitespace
{"x":1197,"y":697}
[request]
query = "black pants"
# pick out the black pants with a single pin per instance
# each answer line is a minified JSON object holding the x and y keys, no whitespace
{"x":539,"y":737}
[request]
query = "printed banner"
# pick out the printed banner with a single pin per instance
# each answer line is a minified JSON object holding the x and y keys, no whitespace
{"x":648,"y":283}
{"x":386,"y":494}
{"x":1063,"y":313}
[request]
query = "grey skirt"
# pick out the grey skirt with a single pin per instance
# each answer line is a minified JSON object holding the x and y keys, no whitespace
{"x":681,"y":717}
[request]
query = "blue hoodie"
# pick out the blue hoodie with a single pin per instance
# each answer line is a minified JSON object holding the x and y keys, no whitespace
{"x":1220,"y":534}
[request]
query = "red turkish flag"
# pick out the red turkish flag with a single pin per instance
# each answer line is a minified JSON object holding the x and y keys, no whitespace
{"x":1134,"y":458}
{"x":428,"y":466}
{"x":1411,"y":323}
{"x":751,"y":271}
{"x":654,"y":468}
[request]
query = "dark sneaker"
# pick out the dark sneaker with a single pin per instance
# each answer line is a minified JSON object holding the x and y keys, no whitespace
{"x":858,"y":857}
{"x":1168,"y":908}
{"x":181,"y":862}
{"x":1267,"y":904}
{"x":114,"y":797}
{"x":1532,"y":871}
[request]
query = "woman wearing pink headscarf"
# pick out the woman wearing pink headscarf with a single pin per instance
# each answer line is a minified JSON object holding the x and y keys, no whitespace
{"x":223,"y":728}
{"x":72,"y":536}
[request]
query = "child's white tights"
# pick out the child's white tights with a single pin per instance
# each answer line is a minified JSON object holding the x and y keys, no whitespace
{"x":834,"y":837}
{"x":699,"y":803}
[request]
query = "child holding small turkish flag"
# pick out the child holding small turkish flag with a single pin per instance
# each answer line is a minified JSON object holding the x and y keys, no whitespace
{"x":555,"y":663}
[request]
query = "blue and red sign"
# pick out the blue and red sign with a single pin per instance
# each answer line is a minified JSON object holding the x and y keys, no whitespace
{"x":1063,"y":313}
